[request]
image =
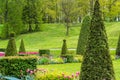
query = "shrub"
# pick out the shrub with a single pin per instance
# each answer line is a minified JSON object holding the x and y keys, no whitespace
{"x":11,"y":48}
{"x":2,"y":49}
{"x":43,"y":60}
{"x":78,"y":58}
{"x":70,"y":58}
{"x":12,"y":65}
{"x":57,"y":61}
{"x":97,"y":63}
{"x":83,"y":36}
{"x":44,"y":52}
{"x":22,"y":46}
{"x":64,"y":48}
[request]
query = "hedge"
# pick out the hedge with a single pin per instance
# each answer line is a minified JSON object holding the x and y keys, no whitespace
{"x":11,"y":66}
{"x":44,"y":52}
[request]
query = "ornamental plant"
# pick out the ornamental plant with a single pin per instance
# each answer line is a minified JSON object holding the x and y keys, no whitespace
{"x":11,"y":49}
{"x":83,"y":36}
{"x":97,"y":63}
{"x":64,"y":48}
{"x":118,"y":49}
{"x":22,"y":46}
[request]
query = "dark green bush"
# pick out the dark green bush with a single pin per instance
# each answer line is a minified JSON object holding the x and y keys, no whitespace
{"x":22,"y":46}
{"x":11,"y":66}
{"x":11,"y":49}
{"x":64,"y":50}
{"x":70,"y":58}
{"x":2,"y":49}
{"x":44,"y":52}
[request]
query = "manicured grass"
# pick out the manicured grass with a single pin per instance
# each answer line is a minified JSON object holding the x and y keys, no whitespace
{"x":52,"y":35}
{"x":74,"y":67}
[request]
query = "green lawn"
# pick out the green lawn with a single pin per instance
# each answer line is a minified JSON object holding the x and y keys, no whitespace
{"x":74,"y":67}
{"x":52,"y":35}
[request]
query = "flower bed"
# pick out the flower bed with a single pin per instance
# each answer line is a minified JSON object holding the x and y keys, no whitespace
{"x":2,"y":54}
{"x":28,"y":53}
{"x":43,"y":74}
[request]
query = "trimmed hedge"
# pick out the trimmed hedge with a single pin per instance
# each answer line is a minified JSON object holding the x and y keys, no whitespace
{"x":44,"y":52}
{"x":2,"y":49}
{"x":11,"y":66}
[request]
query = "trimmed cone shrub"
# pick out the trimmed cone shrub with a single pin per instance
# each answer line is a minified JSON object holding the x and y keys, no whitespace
{"x":83,"y":37}
{"x":97,"y":64}
{"x":118,"y":49}
{"x":22,"y":46}
{"x":11,"y":49}
{"x":64,"y":48}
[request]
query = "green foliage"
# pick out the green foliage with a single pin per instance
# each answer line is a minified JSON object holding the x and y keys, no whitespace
{"x":78,"y":58}
{"x":118,"y":48}
{"x":64,"y":48}
{"x":11,"y":66}
{"x":97,"y":64}
{"x":30,"y":15}
{"x":2,"y":49}
{"x":43,"y":60}
{"x":12,"y":17}
{"x":12,"y":34}
{"x":70,"y":58}
{"x":44,"y":52}
{"x":83,"y":36}
{"x":56,"y":61}
{"x":11,"y":49}
{"x":22,"y":46}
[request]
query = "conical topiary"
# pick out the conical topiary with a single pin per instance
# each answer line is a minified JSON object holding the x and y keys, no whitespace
{"x":11,"y":49}
{"x":83,"y":37}
{"x":22,"y":46}
{"x":64,"y":48}
{"x":118,"y":49}
{"x":97,"y":64}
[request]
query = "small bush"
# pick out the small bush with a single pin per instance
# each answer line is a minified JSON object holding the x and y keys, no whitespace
{"x":2,"y":49}
{"x":64,"y":50}
{"x":22,"y":46}
{"x":70,"y":58}
{"x":57,"y":61}
{"x":43,"y":60}
{"x":78,"y":58}
{"x":44,"y":52}
{"x":12,"y":65}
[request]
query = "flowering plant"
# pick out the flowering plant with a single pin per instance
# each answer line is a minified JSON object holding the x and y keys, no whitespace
{"x":2,"y":54}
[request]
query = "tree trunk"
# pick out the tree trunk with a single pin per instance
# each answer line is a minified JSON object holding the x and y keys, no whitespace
{"x":30,"y":28}
{"x":67,"y":29}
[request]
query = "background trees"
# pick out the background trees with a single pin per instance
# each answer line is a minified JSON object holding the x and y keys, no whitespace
{"x":23,"y":16}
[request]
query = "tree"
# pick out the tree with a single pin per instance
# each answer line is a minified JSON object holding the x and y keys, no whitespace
{"x":68,"y":9}
{"x":64,"y":48}
{"x":12,"y":17}
{"x":97,"y":64}
{"x":83,"y":36}
{"x":11,"y":49}
{"x":30,"y":15}
{"x":22,"y":46}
